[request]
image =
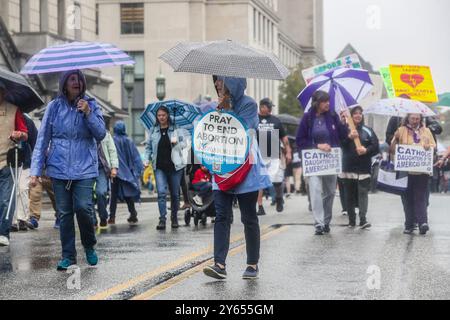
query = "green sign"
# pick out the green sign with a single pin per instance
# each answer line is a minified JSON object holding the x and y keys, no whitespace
{"x":386,"y":76}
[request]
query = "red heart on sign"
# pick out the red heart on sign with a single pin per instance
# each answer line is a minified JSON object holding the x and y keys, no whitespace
{"x":412,"y":80}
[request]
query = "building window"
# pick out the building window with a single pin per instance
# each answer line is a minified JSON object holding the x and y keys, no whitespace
{"x":96,"y":18}
{"x":132,"y":18}
{"x":43,"y":15}
{"x":61,"y":17}
{"x":24,"y":15}
{"x":77,"y":20}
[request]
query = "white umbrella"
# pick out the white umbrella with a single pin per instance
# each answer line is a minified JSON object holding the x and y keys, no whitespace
{"x":399,"y":107}
{"x":224,"y":58}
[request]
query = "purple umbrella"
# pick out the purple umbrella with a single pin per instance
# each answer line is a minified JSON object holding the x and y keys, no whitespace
{"x":345,"y":87}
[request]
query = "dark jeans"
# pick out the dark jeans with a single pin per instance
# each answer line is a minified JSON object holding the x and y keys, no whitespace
{"x":415,"y":200}
{"x":6,"y":188}
{"x":356,"y":195}
{"x":247,"y":204}
{"x":164,"y":182}
{"x":101,"y":192}
{"x":342,"y":196}
{"x":74,"y":198}
{"x":204,"y":189}
{"x":115,"y":184}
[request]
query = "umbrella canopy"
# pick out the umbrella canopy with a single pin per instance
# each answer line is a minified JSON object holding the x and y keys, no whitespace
{"x":225,"y":58}
{"x":345,"y":86}
{"x":399,"y":107}
{"x":76,"y":56}
{"x":19,"y":92}
{"x":183,"y":114}
{"x":288,"y":119}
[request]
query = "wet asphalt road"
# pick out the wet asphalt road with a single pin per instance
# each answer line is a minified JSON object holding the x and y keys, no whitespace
{"x":139,"y":262}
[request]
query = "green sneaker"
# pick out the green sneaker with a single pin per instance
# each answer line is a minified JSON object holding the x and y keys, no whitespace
{"x":64,"y":264}
{"x":91,"y":256}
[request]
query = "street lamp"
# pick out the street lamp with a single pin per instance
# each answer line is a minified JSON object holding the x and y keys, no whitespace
{"x":128,"y":82}
{"x":160,"y":86}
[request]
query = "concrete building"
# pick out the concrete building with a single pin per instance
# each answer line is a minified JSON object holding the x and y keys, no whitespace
{"x":27,"y":26}
{"x":291,"y":29}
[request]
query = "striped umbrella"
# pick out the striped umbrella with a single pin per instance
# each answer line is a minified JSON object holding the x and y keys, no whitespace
{"x":76,"y":56}
{"x":345,"y":86}
{"x":182,"y":114}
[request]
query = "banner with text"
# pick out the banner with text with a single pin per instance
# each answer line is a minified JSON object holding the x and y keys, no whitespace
{"x":319,"y":163}
{"x":221,"y":142}
{"x":413,"y":159}
{"x":350,"y":61}
{"x":414,"y":82}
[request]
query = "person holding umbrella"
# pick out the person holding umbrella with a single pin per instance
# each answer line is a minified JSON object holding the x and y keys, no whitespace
{"x":232,"y":98}
{"x":321,"y":128}
{"x":13,"y":129}
{"x":414,"y":132}
{"x":165,"y":150}
{"x":67,"y":147}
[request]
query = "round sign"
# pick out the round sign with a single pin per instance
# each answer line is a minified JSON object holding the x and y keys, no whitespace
{"x":221,"y":142}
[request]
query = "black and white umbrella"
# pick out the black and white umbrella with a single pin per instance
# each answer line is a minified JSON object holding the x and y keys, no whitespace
{"x":19,"y":92}
{"x":224,"y":58}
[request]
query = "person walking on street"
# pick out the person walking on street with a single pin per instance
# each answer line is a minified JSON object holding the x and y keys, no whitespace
{"x":321,"y":128}
{"x":108,"y":164}
{"x":414,"y":132}
{"x":71,"y":127}
{"x":270,"y":126}
{"x":13,"y":129}
{"x":165,"y":151}
{"x":232,"y":98}
{"x":126,"y":185}
{"x":357,"y":162}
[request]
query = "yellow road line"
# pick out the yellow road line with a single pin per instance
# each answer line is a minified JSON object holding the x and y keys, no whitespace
{"x":173,"y":265}
{"x":177,"y":279}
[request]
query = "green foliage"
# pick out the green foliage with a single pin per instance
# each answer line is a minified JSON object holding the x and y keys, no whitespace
{"x":289,"y":91}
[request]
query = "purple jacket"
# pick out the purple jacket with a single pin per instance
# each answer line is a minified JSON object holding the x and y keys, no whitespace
{"x":338,"y":131}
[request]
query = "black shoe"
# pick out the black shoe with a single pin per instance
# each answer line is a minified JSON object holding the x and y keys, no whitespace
{"x":273,"y":203}
{"x":215,"y":272}
{"x":423,"y":228}
{"x":250,"y":273}
{"x":364,"y":225}
{"x":103,"y":224}
{"x":326,"y":228}
{"x":351,"y":225}
{"x":14,"y":228}
{"x":161,"y":225}
{"x":22,"y":226}
{"x":132,"y":219}
{"x":261,"y":211}
{"x":408,"y":231}
{"x":280,"y":205}
{"x":174,"y":224}
{"x":319,"y":231}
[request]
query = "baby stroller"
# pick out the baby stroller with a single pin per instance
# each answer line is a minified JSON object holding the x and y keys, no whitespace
{"x":199,"y":212}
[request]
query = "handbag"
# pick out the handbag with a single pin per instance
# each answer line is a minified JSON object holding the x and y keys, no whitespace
{"x":231,"y":180}
{"x":389,"y":180}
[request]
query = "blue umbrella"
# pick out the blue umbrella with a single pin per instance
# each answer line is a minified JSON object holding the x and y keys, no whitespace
{"x":345,"y":86}
{"x":183,"y":114}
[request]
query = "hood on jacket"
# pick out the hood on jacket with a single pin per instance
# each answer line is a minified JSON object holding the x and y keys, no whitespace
{"x":236,"y":86}
{"x":63,"y":81}
{"x":120,"y":129}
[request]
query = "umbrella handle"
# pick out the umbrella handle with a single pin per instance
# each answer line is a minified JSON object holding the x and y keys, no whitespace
{"x":352,"y":126}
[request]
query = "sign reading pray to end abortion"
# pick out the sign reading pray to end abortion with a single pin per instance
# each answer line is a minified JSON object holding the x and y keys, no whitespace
{"x":221,"y":142}
{"x":413,"y":159}
{"x":319,"y":163}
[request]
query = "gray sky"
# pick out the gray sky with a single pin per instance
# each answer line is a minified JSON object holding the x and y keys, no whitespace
{"x":392,"y":32}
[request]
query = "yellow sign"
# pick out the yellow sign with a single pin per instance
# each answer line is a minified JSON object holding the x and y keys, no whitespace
{"x":414,"y":82}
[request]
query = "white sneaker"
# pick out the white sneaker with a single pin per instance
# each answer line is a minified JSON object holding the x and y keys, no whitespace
{"x":4,"y":241}
{"x":198,"y":200}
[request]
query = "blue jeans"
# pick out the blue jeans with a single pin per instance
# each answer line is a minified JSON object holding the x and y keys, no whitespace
{"x":165,"y":182}
{"x":247,"y":204}
{"x":75,"y":198}
{"x":101,"y":191}
{"x":6,"y":187}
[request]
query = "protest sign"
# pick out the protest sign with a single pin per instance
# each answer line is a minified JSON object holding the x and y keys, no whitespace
{"x":221,"y":142}
{"x":413,"y":159}
{"x":386,"y":76}
{"x":413,"y":81}
{"x":350,"y":61}
{"x":319,"y":163}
